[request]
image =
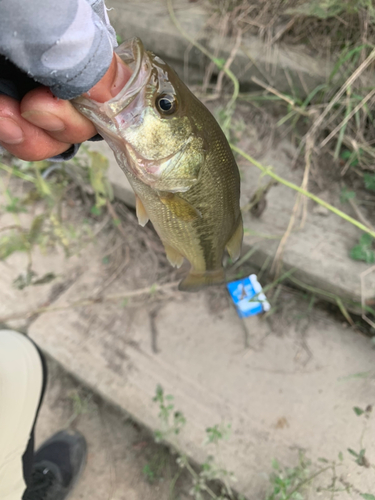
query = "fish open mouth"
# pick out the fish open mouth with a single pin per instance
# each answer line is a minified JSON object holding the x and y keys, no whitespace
{"x":134,"y":55}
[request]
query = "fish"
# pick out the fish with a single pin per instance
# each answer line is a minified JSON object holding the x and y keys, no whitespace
{"x":178,"y":162}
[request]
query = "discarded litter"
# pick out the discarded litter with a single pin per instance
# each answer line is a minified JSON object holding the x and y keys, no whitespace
{"x":248,"y":297}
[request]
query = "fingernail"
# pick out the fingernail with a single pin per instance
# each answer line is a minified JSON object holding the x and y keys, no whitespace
{"x":10,"y":131}
{"x":44,"y":120}
{"x":122,"y":76}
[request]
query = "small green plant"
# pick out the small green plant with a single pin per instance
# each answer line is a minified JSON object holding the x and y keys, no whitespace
{"x":352,"y":158}
{"x":217,"y":433}
{"x":48,"y":183}
{"x":30,"y":278}
{"x":97,"y":167}
{"x":364,"y":250}
{"x":358,"y":411}
{"x":369,"y":180}
{"x":15,"y":241}
{"x":154,"y":468}
{"x":346,"y":195}
{"x":95,"y":211}
{"x":288,"y":483}
{"x":149,"y":473}
{"x":360,"y":457}
{"x":81,"y":404}
{"x":15,"y":205}
{"x":173,"y":422}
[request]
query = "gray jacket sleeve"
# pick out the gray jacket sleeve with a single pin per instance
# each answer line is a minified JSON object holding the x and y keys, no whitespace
{"x":66,"y":45}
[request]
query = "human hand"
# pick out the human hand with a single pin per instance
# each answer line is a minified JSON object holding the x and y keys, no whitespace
{"x":42,"y":126}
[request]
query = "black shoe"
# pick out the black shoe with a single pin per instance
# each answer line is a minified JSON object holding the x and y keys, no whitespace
{"x":58,"y":464}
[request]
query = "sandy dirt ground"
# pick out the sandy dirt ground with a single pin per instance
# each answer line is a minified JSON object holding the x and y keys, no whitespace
{"x":124,"y":463}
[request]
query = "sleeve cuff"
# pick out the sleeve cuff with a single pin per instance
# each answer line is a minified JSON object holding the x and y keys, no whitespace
{"x":73,"y":150}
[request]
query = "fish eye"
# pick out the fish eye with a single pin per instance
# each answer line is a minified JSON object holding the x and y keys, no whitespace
{"x":166,"y":104}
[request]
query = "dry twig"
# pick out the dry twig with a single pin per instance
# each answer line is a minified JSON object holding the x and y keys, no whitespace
{"x":114,"y":215}
{"x":360,"y":215}
{"x":347,"y":118}
{"x":342,"y":91}
{"x":89,"y":301}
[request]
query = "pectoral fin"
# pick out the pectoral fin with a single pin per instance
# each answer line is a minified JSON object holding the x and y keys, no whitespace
{"x":180,"y":207}
{"x":235,"y":243}
{"x":174,"y":257}
{"x":142,"y":216}
{"x":194,"y":282}
{"x":182,"y":171}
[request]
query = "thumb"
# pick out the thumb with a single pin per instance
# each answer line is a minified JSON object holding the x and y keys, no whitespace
{"x":112,"y":82}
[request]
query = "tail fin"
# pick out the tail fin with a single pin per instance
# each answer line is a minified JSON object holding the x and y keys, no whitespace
{"x":194,"y":282}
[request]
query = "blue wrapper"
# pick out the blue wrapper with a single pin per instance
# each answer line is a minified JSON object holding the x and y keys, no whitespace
{"x":242,"y":291}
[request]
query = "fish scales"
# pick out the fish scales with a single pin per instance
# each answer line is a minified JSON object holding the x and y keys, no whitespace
{"x":218,"y":206}
{"x":178,"y":162}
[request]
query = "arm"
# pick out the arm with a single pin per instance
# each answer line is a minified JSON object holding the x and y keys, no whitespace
{"x":73,"y":55}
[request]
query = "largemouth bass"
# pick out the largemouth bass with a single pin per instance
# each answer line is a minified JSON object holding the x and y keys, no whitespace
{"x":177,"y":160}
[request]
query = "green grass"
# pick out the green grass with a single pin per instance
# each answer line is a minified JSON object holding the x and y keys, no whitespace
{"x":87,"y":173}
{"x":364,"y":250}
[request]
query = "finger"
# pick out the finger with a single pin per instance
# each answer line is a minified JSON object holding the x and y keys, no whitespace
{"x":112,"y":82}
{"x":56,"y":116}
{"x":21,"y":138}
{"x":59,"y":118}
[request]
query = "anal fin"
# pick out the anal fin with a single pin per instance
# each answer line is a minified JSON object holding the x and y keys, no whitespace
{"x":235,"y":242}
{"x":174,"y":257}
{"x":142,"y":216}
